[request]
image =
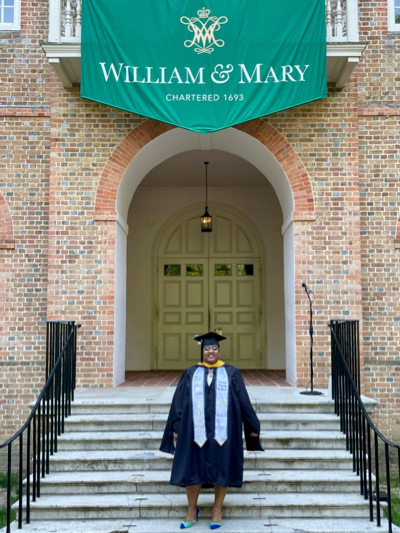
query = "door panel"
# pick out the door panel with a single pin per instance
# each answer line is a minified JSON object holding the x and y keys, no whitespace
{"x":172,"y":318}
{"x":222,"y":236}
{"x":243,"y":243}
{"x":246,"y":318}
{"x":172,"y":347}
{"x":223,"y":293}
{"x":245,"y":291}
{"x":194,"y":293}
{"x":194,"y":237}
{"x":223,"y":318}
{"x":174,"y":243}
{"x":235,"y":307}
{"x":172,"y":294}
{"x":195,"y":319}
{"x":182,"y":311}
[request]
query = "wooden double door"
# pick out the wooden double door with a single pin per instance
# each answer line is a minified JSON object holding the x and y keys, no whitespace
{"x":219,"y":293}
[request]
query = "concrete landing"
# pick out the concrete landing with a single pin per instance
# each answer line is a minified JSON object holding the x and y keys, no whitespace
{"x":150,"y":395}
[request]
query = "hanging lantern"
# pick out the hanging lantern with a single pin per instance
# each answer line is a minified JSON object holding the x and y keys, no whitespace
{"x":206,"y":219}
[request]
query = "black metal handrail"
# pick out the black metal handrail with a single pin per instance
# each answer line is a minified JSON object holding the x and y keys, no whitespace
{"x":46,"y":420}
{"x":355,"y":421}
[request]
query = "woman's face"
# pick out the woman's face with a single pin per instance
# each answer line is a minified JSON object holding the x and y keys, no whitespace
{"x":211,"y":354}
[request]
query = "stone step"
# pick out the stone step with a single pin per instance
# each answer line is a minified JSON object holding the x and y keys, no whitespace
{"x":125,"y":460}
{"x":109,"y":472}
{"x":149,"y":400}
{"x":133,"y":406}
{"x":150,"y":506}
{"x":128,"y":440}
{"x":267,"y":525}
{"x":157,"y":421}
{"x":157,"y":481}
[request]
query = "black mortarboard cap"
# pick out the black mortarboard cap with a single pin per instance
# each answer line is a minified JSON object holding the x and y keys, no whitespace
{"x":208,"y":339}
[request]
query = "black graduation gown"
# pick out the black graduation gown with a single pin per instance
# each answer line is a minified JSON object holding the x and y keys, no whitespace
{"x":211,"y":464}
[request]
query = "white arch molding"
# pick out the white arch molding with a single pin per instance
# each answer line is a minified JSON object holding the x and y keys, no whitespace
{"x":175,"y":142}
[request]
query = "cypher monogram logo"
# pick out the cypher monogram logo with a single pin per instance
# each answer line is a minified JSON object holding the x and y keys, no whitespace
{"x":203,"y":28}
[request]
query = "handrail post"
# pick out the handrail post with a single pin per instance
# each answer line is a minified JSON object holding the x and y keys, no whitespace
{"x":28,"y":475}
{"x":389,"y":499}
{"x":34,"y":487}
{"x":38,"y":452}
{"x":20,"y":474}
{"x":378,"y":509}
{"x":371,"y":505}
{"x":9,"y":488}
{"x":398,"y":462}
{"x":364,"y":452}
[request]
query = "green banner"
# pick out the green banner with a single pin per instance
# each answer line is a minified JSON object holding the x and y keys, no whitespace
{"x":203,"y":67}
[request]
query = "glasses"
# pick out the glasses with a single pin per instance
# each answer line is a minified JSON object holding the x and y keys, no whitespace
{"x":211,"y":348}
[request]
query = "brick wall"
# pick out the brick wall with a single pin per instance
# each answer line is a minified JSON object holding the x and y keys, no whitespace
{"x":379,"y":143}
{"x":24,"y":163}
{"x":82,"y":250}
{"x":324,"y":134}
{"x":24,"y":201}
{"x":379,"y":192}
{"x":57,"y":260}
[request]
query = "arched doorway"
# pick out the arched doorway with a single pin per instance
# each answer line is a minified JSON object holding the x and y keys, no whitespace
{"x":247,"y":226}
{"x":209,"y":281}
{"x":147,"y":146}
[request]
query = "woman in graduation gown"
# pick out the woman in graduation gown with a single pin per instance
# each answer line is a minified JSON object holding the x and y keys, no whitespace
{"x":204,"y":429}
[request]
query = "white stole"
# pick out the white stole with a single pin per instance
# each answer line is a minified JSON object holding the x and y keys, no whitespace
{"x":221,"y":407}
{"x":199,"y":420}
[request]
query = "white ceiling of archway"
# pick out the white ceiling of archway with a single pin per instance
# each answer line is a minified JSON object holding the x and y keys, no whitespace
{"x":187,"y":170}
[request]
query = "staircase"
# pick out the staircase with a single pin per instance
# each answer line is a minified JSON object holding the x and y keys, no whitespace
{"x":109,"y":476}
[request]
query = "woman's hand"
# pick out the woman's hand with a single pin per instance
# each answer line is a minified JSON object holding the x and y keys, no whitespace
{"x":175,"y":435}
{"x":254,"y":435}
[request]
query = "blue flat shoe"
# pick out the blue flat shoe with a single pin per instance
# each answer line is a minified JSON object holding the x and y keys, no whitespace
{"x":186,"y":525}
{"x":215,"y":525}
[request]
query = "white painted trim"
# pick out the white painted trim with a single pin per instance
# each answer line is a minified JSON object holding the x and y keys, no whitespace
{"x":16,"y":25}
{"x":54,"y":21}
{"x":290,"y":304}
{"x":57,"y":64}
{"x":121,"y":243}
{"x":349,"y":65}
{"x":352,"y":21}
{"x":287,"y":223}
{"x":392,"y":26}
{"x":123,"y":224}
